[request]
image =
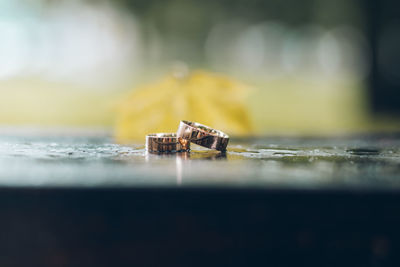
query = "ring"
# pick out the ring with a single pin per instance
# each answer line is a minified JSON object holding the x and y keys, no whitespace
{"x":164,"y":142}
{"x":202,"y":135}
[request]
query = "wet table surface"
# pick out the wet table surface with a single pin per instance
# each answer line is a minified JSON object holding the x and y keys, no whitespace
{"x":355,"y":162}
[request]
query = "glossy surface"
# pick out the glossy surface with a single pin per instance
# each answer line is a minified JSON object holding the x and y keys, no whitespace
{"x":202,"y":135}
{"x":296,"y":163}
{"x":164,"y":143}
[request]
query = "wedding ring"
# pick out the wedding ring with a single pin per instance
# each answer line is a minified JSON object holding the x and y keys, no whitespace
{"x":201,"y":135}
{"x":164,"y":142}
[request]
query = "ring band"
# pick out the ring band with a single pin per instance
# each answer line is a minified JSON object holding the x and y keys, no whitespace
{"x":202,"y":135}
{"x":164,"y":142}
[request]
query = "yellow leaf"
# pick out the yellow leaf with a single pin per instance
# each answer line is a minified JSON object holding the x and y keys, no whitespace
{"x":204,"y":97}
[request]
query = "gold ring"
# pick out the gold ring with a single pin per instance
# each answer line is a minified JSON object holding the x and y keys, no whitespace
{"x":202,"y":135}
{"x":164,"y":142}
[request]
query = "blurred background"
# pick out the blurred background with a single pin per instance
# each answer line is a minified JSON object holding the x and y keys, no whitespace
{"x":313,"y":67}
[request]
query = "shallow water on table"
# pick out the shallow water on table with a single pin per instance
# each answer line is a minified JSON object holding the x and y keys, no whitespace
{"x":304,"y":163}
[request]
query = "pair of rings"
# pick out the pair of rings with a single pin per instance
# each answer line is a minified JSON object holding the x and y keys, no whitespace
{"x":188,"y":132}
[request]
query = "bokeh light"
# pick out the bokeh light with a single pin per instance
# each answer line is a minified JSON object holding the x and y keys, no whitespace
{"x":69,"y":63}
